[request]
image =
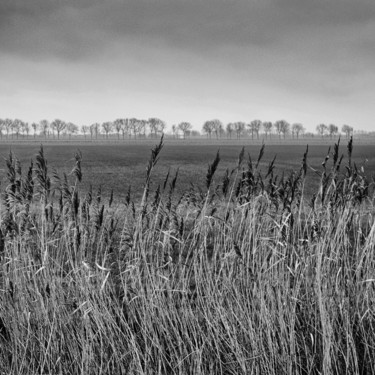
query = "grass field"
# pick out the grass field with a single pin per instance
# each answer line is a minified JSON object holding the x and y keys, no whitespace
{"x":120,"y":166}
{"x":242,"y":276}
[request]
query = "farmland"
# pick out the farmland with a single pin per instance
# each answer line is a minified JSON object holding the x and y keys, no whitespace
{"x":119,"y":166}
{"x":243,"y":276}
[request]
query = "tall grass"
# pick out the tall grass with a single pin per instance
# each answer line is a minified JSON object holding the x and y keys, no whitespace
{"x":245,"y":277}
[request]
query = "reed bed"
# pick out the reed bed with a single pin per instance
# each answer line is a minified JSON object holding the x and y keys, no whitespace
{"x":246,"y":276}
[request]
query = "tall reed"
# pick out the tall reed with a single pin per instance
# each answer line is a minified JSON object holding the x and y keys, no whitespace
{"x":249,"y":276}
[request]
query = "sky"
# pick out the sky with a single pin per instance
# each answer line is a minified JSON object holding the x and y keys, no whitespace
{"x":85,"y":61}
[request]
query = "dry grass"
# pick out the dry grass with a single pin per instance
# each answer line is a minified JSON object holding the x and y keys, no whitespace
{"x":242,"y":277}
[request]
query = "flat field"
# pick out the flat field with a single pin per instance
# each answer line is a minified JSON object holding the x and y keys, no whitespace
{"x":236,"y":284}
{"x":119,"y":166}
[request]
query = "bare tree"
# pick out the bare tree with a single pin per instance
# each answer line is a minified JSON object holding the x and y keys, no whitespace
{"x":322,"y":129}
{"x":44,"y":125}
{"x":217,"y":127}
{"x":211,"y":126}
{"x":156,"y":126}
{"x":348,"y":130}
{"x":35,"y":127}
{"x":25,"y":128}
{"x":254,"y":127}
{"x":332,"y":130}
{"x":239,"y":128}
{"x":141,"y":127}
{"x":16,"y":126}
{"x":124,"y":127}
{"x":208,"y":128}
{"x":95,"y":130}
{"x":185,"y":127}
{"x":267,"y":127}
{"x":229,"y":129}
{"x":133,"y":126}
{"x":59,"y":126}
{"x":8,"y":125}
{"x":118,"y":126}
{"x":85,"y":129}
{"x":297,"y":128}
{"x":282,"y":127}
{"x":107,"y":128}
{"x":161,"y":126}
{"x":71,"y":128}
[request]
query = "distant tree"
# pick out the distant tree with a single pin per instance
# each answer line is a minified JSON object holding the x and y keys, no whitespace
{"x":35,"y":127}
{"x":121,"y":125}
{"x":213,"y":126}
{"x":156,"y":126}
{"x":229,"y":129}
{"x":285,"y":128}
{"x":161,"y":126}
{"x":1,"y":127}
{"x":332,"y":130}
{"x":71,"y":129}
{"x":22,"y":128}
{"x":107,"y":128}
{"x":16,"y":126}
{"x":136,"y":126}
{"x":85,"y":129}
{"x":118,"y":126}
{"x":59,"y":126}
{"x":347,"y":130}
{"x":208,"y":127}
{"x":152,"y":124}
{"x":124,"y":127}
{"x":8,"y":125}
{"x":141,"y":127}
{"x":217,"y":127}
{"x":322,"y":129}
{"x":277,"y":125}
{"x":309,"y":135}
{"x":25,"y":128}
{"x":185,"y":127}
{"x":95,"y":130}
{"x":254,"y":127}
{"x":44,"y":125}
{"x":92,"y":130}
{"x":297,"y":129}
{"x":133,"y":127}
{"x":267,"y":127}
{"x":282,"y":127}
{"x":239,"y":128}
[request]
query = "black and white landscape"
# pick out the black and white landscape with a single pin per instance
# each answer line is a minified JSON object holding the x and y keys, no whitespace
{"x":187,"y":187}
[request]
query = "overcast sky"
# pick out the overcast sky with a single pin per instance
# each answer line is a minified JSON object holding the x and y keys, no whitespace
{"x":86,"y":61}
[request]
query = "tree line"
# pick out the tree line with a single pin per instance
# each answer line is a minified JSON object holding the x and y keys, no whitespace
{"x":280,"y":127}
{"x":154,"y":127}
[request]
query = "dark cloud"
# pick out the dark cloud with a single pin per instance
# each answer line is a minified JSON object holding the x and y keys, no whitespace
{"x":80,"y":28}
{"x":329,"y":13}
{"x":42,"y":28}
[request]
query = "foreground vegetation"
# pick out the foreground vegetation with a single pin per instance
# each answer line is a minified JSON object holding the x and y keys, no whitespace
{"x":120,"y":166}
{"x":245,"y":276}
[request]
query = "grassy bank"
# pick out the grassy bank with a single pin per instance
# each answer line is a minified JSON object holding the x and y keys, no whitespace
{"x":241,"y":277}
